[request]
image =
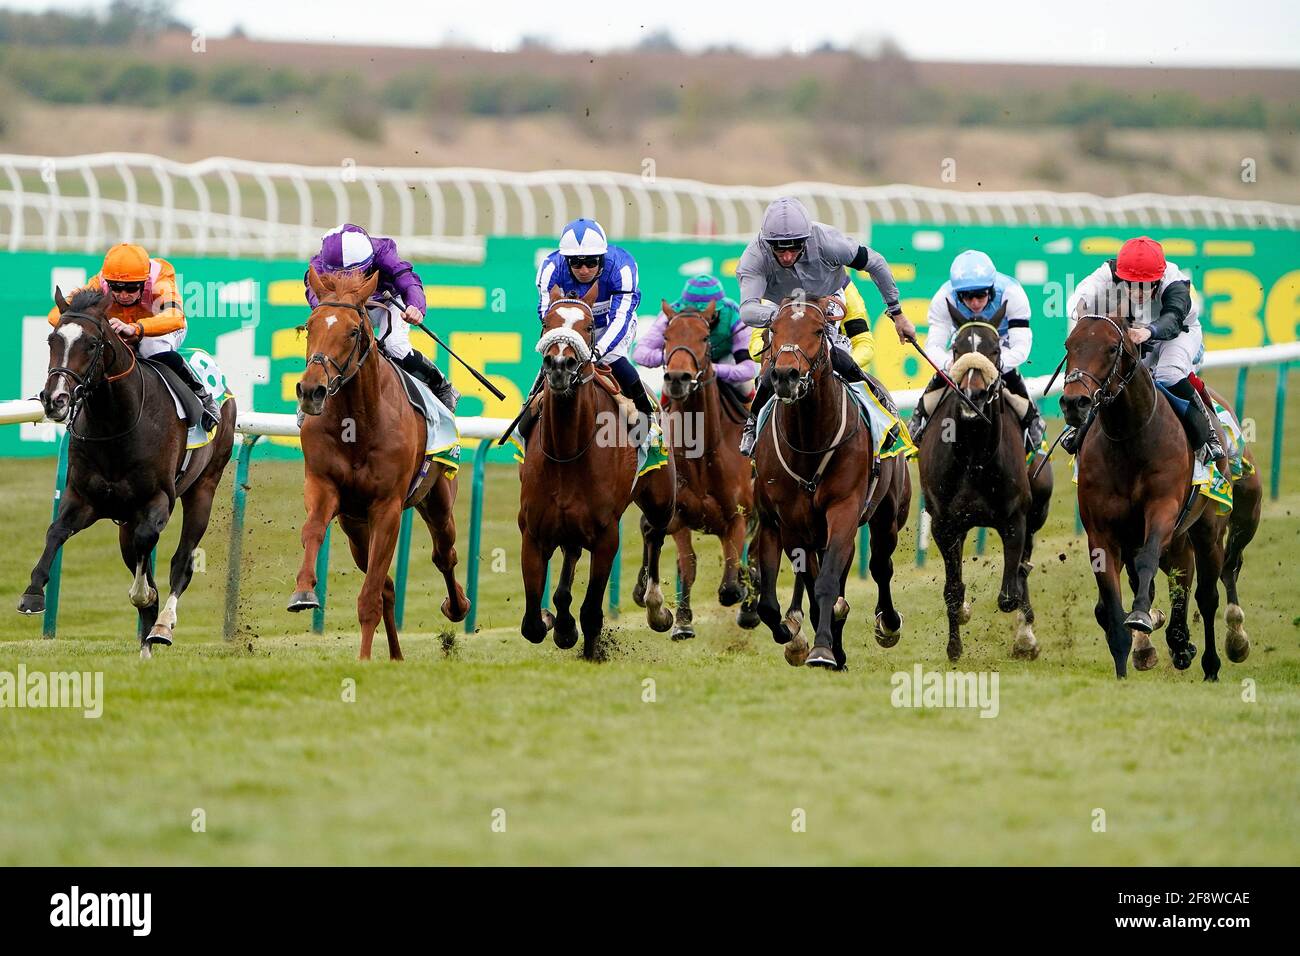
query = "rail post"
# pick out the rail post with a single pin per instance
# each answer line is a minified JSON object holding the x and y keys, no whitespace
{"x":49,"y":623}
{"x":1279,"y":426}
{"x":322,"y":582}
{"x":476,"y":530}
{"x":403,"y":565}
{"x":234,"y":557}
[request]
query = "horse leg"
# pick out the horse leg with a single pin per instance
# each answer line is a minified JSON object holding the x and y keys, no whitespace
{"x":732,"y":590}
{"x":952,"y":542}
{"x":884,"y":526}
{"x":1110,"y":604}
{"x":592,"y":613}
{"x":1011,"y":596}
{"x":566,"y":628}
{"x":358,"y":534}
{"x":437,"y":510}
{"x":838,"y":621}
{"x":1026,"y":643}
{"x":842,"y":527}
{"x":322,"y":500}
{"x":794,"y":610}
{"x":75,"y":514}
{"x":533,"y":561}
{"x":1178,"y":563}
{"x":384,"y":522}
{"x":658,"y":616}
{"x":766,"y":550}
{"x":1147,"y":562}
{"x":686,"y":566}
{"x":1207,"y":541}
{"x":1242,"y":524}
{"x":196,"y":509}
{"x":137,"y":540}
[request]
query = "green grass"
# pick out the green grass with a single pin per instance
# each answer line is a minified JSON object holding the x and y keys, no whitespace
{"x":257,"y":735}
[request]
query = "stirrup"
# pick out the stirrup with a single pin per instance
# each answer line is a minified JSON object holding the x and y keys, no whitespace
{"x":749,"y":436}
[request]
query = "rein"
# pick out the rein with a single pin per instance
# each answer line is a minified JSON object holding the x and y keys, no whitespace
{"x":85,"y":384}
{"x":361,"y":349}
{"x":1103,"y":395}
{"x":697,"y":380}
{"x":576,"y":379}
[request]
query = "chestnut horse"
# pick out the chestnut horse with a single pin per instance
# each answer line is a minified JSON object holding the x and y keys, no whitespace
{"x":1135,"y":473}
{"x":973,"y":474}
{"x":127,"y":460}
{"x":817,"y":480}
{"x":578,"y":476}
{"x":363,"y":453}
{"x":715,"y":492}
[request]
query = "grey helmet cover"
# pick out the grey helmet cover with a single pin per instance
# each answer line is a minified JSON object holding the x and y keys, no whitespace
{"x":785,"y":220}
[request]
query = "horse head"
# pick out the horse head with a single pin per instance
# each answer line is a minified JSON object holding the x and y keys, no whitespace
{"x":77,"y":352}
{"x":976,"y":350}
{"x":1100,"y":360}
{"x":687,"y":363}
{"x":566,"y":344}
{"x":339,"y":336}
{"x":800,"y":346}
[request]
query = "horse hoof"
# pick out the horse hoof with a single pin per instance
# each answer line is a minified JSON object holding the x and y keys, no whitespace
{"x":1234,"y":616}
{"x":964,"y":615}
{"x":454,"y":616}
{"x":841,"y":609}
{"x":1237,"y":645}
{"x":730,"y":595}
{"x":638,"y":592}
{"x":1183,"y":657}
{"x":793,"y":623}
{"x":884,"y":636}
{"x":954,"y":650}
{"x":1025,"y":648}
{"x":566,"y":637}
{"x":1158,"y":619}
{"x":145,"y":653}
{"x":1007,"y":603}
{"x":748,"y":619}
{"x":683,"y":632}
{"x":31,"y":604}
{"x":303,"y":601}
{"x":821,"y":656}
{"x":548,"y":619}
{"x":796,"y":652}
{"x":1212,"y":678}
{"x":160,"y":634}
{"x":1140,"y":621}
{"x":1145,"y":658}
{"x":660,"y":620}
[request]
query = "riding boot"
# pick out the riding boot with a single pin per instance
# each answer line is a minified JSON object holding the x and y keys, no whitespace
{"x":641,"y":399}
{"x":749,"y":435}
{"x":431,"y":375}
{"x":211,"y":417}
{"x":532,"y":411}
{"x":916,"y":426}
{"x":1070,"y":440}
{"x":1200,"y":426}
{"x":1035,"y":428}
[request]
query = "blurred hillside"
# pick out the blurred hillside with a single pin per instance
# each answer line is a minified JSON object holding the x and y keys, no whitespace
{"x":721,"y":116}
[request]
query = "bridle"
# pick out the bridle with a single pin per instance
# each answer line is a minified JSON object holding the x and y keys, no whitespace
{"x":697,"y":379}
{"x":362,"y":339}
{"x":1103,"y":395}
{"x":576,"y":378}
{"x":994,"y":390}
{"x":84,"y":383}
{"x":813,"y":366}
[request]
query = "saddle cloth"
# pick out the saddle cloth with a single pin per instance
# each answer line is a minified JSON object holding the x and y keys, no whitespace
{"x":889,"y":434}
{"x":441,"y":434}
{"x":188,"y":407}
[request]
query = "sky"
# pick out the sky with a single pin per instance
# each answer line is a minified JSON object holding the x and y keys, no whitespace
{"x":1119,"y":32}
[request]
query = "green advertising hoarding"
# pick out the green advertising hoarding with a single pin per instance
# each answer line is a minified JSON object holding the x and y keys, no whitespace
{"x":245,"y":311}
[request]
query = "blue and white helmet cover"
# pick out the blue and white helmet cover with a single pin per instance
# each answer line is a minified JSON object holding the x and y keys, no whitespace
{"x":972,"y":270}
{"x":583,"y":237}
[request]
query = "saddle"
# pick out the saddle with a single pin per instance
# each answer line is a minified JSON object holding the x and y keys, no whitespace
{"x":184,"y":394}
{"x":413,"y":393}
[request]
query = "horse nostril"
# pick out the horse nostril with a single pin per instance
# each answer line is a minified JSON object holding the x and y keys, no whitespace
{"x":318,"y":393}
{"x":298,"y":389}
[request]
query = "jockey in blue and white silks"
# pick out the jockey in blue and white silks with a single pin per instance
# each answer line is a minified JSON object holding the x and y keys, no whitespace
{"x":585,"y":258}
{"x":977,"y":292}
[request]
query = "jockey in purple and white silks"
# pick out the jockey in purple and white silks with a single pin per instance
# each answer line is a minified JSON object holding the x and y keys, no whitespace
{"x":977,"y":292}
{"x":348,"y":248}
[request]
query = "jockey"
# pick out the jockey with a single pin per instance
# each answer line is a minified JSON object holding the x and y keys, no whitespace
{"x":146,"y":311}
{"x":1156,"y":298}
{"x":585,"y":258}
{"x":348,"y":248}
{"x":728,"y":337}
{"x":977,"y":292}
{"x":794,"y":255}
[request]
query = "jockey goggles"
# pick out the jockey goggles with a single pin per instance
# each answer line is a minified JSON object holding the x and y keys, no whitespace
{"x":584,"y":262}
{"x":124,"y":286}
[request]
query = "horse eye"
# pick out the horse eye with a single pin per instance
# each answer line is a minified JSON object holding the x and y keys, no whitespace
{"x":1114,"y":349}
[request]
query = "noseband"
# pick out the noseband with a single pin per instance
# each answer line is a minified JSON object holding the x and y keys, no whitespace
{"x":85,"y":383}
{"x":813,"y":366}
{"x":576,"y":378}
{"x":697,"y":379}
{"x":1102,"y":395}
{"x":360,"y":350}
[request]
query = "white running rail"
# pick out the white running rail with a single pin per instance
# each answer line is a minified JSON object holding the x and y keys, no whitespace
{"x":235,"y":207}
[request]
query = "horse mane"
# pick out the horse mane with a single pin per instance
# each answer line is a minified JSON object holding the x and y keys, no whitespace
{"x":346,"y":282}
{"x":86,"y":300}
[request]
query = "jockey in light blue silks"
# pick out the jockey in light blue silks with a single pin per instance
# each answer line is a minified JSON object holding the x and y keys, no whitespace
{"x":585,"y":258}
{"x":977,"y":292}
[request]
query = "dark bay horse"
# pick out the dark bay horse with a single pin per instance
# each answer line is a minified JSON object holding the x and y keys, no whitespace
{"x":973,"y":474}
{"x":1135,"y":471}
{"x":715,"y":491}
{"x":818,"y":480}
{"x":126,"y":460}
{"x":363,"y":454}
{"x":578,"y":476}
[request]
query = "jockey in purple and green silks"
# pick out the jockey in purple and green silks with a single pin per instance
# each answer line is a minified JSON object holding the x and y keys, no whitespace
{"x":728,"y":336}
{"x":349,"y":248}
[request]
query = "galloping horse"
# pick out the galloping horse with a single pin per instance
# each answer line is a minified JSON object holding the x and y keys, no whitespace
{"x":973,"y":474}
{"x":1137,"y":502}
{"x":574,"y":488}
{"x":715,"y":494}
{"x":126,"y":459}
{"x":364,"y":459}
{"x":818,"y":479}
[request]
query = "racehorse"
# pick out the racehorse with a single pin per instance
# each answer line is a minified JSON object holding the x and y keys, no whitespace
{"x":1137,"y":503}
{"x":576,"y":484}
{"x":817,"y":480}
{"x":364,"y":459}
{"x":973,"y":474}
{"x":715,"y":493}
{"x":127,"y":459}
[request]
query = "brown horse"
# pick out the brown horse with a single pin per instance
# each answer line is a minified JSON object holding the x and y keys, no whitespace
{"x":715,"y":493}
{"x":973,"y":474}
{"x":1135,"y":499}
{"x":578,"y":476}
{"x":818,"y":480}
{"x":363,"y":454}
{"x":127,"y":460}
